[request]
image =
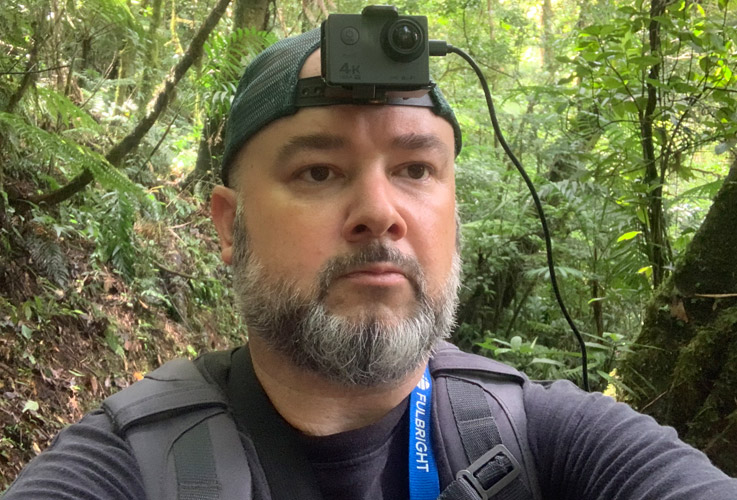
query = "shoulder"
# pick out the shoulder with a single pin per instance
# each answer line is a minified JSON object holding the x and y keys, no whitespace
{"x":588,"y":445}
{"x":87,"y":460}
{"x":94,"y":458}
{"x":174,"y":387}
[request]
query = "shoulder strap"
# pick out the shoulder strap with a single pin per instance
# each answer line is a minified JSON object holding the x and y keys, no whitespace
{"x":488,"y":450}
{"x":173,"y":419}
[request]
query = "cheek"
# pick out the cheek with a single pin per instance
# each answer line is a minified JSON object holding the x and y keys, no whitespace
{"x":291,"y":242}
{"x":437,"y":244}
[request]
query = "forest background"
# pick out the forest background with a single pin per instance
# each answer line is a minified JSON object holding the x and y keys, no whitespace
{"x":624,"y":113}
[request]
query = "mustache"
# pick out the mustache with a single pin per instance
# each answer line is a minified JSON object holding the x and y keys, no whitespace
{"x":376,"y":252}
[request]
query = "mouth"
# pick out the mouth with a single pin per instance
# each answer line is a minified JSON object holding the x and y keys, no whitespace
{"x":377,"y":268}
{"x":376,"y":274}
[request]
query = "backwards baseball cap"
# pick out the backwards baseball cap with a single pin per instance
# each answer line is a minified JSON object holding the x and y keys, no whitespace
{"x":271,"y":89}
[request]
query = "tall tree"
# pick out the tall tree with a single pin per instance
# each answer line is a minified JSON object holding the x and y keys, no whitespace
{"x":151,"y":60}
{"x":651,"y":74}
{"x":683,"y":368}
{"x":654,"y":178}
{"x":251,"y":17}
{"x":251,"y":14}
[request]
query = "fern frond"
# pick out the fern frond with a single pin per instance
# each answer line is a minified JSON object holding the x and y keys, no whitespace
{"x":227,"y":55}
{"x":116,"y":237}
{"x":59,"y":107}
{"x":116,"y":12}
{"x":79,"y":157}
{"x":49,"y":259}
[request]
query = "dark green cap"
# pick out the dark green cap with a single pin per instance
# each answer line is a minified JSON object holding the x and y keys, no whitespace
{"x":268,"y":91}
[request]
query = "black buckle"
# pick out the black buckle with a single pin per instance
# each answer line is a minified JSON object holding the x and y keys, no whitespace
{"x":469,"y":474}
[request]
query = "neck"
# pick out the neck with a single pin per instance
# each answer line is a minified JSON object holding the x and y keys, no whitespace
{"x":320,"y":407}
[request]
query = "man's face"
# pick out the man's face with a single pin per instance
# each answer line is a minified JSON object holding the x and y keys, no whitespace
{"x":350,"y":209}
{"x":330,"y":181}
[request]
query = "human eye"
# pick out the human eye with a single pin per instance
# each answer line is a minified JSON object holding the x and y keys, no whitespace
{"x":416,"y":171}
{"x":316,"y":174}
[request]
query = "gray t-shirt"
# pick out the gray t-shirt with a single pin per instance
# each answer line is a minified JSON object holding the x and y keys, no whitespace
{"x":584,"y":446}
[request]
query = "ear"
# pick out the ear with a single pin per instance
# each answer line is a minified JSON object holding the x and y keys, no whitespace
{"x":223,"y":206}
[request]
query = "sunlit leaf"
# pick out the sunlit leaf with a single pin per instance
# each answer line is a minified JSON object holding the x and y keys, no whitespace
{"x":628,"y":236}
{"x":647,"y":271}
{"x":26,"y":332}
{"x":30,"y":406}
{"x":515,"y":342}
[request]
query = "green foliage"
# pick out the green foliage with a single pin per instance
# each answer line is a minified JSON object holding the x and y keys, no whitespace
{"x":50,"y":147}
{"x":115,"y":241}
{"x":549,"y":363}
{"x":59,"y":109}
{"x":115,"y":12}
{"x":48,"y":256}
{"x":576,"y":127}
{"x":227,"y":55}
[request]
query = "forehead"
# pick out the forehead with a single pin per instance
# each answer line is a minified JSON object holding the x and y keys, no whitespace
{"x":312,"y":65}
{"x":364,"y":130}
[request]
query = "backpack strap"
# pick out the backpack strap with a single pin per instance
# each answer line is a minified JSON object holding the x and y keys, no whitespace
{"x":173,"y":420}
{"x":487,"y":451}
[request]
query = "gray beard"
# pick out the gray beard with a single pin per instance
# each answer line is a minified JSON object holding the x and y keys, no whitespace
{"x":364,"y":351}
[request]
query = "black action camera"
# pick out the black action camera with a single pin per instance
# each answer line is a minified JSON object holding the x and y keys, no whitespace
{"x":377,"y":49}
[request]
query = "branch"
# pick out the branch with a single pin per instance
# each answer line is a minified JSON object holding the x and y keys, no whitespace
{"x":720,"y":89}
{"x":33,"y":70}
{"x":715,"y":295}
{"x":163,"y":136}
{"x":194,"y":51}
{"x":28,"y":76}
{"x":117,"y":154}
{"x":162,"y":267}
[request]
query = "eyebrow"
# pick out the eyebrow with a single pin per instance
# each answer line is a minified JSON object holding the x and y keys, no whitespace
{"x":420,"y":141}
{"x":300,"y":143}
{"x":331,"y":142}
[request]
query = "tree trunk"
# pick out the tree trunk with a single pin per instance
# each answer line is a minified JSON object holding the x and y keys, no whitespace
{"x":548,"y":51}
{"x":683,"y":367}
{"x":25,"y":83}
{"x":248,"y":13}
{"x":151,"y":60}
{"x":251,"y":13}
{"x":490,"y":10}
{"x":118,"y":153}
{"x":126,"y":63}
{"x":655,"y":230}
{"x":210,"y":147}
{"x":596,"y":295}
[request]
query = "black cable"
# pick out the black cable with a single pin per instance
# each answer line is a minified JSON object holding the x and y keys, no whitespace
{"x":442,"y":48}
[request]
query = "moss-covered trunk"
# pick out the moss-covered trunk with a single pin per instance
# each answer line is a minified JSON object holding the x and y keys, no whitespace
{"x":684,"y":367}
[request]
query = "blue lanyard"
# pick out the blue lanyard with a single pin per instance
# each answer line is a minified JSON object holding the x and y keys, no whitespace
{"x":423,"y":472}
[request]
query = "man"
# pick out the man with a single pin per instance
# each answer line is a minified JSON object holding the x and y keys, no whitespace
{"x":340,"y":223}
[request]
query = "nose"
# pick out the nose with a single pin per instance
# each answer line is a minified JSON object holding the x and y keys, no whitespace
{"x":374,"y":210}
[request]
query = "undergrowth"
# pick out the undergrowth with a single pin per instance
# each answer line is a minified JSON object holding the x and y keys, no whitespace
{"x":94,"y":294}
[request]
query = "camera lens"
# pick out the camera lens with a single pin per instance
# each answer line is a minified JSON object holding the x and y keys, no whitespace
{"x":403,"y":40}
{"x":405,"y":37}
